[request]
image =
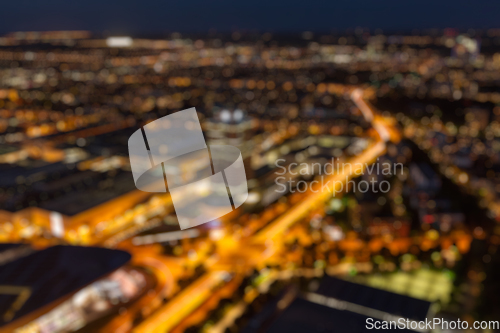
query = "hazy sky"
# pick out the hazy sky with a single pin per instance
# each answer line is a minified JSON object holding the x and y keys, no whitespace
{"x":144,"y":16}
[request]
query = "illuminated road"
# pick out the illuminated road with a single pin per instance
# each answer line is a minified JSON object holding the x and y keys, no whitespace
{"x":167,"y":317}
{"x":312,"y":201}
{"x":186,"y":302}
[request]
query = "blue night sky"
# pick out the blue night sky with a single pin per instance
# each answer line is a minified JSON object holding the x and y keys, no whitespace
{"x":153,"y":16}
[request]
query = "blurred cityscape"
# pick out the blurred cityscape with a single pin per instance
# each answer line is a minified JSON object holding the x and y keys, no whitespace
{"x":82,"y":250}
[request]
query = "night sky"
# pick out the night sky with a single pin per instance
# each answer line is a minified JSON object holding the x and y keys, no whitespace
{"x":155,"y":16}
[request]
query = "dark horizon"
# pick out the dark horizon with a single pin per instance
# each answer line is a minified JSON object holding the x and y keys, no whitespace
{"x":277,"y":16}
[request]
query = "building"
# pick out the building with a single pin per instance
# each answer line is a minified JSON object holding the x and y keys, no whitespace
{"x":337,"y":306}
{"x":63,"y":288}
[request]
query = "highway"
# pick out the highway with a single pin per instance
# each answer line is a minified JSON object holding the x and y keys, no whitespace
{"x":171,"y":314}
{"x":185,"y":303}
